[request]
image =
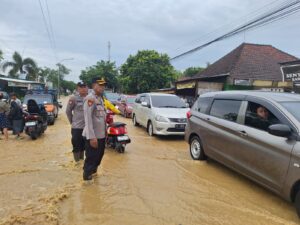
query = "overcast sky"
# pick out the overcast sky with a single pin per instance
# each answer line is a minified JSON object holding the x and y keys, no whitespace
{"x":82,"y":29}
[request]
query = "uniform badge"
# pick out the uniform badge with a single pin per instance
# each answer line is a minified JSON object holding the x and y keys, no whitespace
{"x":90,"y":102}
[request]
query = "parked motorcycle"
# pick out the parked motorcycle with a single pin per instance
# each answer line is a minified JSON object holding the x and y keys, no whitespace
{"x":35,"y":119}
{"x":117,"y":137}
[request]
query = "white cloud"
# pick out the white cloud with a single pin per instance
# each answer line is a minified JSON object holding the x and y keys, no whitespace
{"x":83,"y":28}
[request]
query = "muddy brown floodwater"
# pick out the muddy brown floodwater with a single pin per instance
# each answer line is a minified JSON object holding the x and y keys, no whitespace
{"x":154,"y":182}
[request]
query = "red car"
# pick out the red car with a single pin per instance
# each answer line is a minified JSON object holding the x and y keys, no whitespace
{"x":125,"y":104}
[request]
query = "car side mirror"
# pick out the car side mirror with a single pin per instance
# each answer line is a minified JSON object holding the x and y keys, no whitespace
{"x":145,"y":104}
{"x":280,"y":130}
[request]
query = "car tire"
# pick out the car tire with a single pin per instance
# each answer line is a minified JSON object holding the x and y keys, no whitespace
{"x":150,"y":129}
{"x":196,"y":149}
{"x":134,"y":121}
{"x":51,"y":122}
{"x":297,"y":203}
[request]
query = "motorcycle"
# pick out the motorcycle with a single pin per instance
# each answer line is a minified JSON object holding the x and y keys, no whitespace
{"x":117,"y":137}
{"x":36,"y":120}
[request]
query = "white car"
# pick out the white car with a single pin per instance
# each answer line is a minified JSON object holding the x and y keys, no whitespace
{"x":161,"y":114}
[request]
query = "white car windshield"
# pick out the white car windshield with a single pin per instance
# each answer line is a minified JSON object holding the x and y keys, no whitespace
{"x":293,"y":108}
{"x":161,"y":101}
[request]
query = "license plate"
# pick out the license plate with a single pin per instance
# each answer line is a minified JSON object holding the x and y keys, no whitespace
{"x":123,"y":138}
{"x":180,"y":126}
{"x":30,"y":124}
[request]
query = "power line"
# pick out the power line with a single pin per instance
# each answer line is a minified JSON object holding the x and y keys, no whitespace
{"x":47,"y":29}
{"x":226,"y":25}
{"x":276,"y":14}
{"x":50,"y":23}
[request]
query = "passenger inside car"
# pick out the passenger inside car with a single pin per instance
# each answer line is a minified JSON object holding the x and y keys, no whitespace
{"x":262,"y":112}
{"x":258,"y":116}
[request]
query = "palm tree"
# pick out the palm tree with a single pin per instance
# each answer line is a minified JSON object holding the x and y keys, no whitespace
{"x":19,"y":65}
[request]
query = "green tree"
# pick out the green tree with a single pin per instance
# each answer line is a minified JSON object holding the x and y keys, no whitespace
{"x":47,"y":74}
{"x":147,"y":70}
{"x":68,"y":85}
{"x":104,"y":69}
{"x":192,"y":71}
{"x":20,"y":65}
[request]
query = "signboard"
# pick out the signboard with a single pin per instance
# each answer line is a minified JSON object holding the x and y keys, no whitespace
{"x":291,"y":73}
{"x":16,"y":84}
{"x":186,"y":85}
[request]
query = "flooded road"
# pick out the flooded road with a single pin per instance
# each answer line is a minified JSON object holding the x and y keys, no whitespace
{"x":154,"y":182}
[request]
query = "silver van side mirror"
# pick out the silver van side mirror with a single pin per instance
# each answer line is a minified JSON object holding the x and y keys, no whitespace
{"x":145,"y":104}
{"x":280,"y":130}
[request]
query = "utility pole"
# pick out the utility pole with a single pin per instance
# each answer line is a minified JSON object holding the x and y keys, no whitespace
{"x":109,"y":51}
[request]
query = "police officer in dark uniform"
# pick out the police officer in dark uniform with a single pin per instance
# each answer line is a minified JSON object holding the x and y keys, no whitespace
{"x":75,"y":116}
{"x":95,"y":129}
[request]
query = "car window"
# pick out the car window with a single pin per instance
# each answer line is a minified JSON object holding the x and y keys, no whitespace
{"x":293,"y":108}
{"x":167,"y":101}
{"x":226,"y":109}
{"x":203,"y":104}
{"x":259,"y":116}
{"x":40,"y":99}
{"x":138,"y":99}
{"x":147,"y":99}
{"x":130,"y":100}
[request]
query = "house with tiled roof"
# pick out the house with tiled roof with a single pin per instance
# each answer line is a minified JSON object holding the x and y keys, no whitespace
{"x":249,"y":66}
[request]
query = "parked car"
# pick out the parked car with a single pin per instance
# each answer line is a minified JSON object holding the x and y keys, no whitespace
{"x":161,"y":114}
{"x":125,"y":105}
{"x":112,"y":97}
{"x":254,"y":133}
{"x":47,"y":100}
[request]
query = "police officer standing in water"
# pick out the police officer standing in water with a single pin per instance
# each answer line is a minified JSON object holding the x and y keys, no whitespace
{"x":75,"y":116}
{"x":95,"y":129}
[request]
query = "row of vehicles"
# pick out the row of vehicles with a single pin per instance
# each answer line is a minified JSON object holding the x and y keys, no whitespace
{"x":40,"y":109}
{"x":254,"y":133}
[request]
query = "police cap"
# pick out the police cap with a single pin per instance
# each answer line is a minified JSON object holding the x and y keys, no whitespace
{"x":98,"y":80}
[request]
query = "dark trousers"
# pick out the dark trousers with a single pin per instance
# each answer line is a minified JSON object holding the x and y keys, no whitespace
{"x":93,"y":156}
{"x":78,"y":141}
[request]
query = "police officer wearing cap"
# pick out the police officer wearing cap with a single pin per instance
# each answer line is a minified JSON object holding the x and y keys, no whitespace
{"x":75,"y":116}
{"x":95,"y":128}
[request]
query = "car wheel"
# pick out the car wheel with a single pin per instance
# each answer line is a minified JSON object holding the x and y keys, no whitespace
{"x":51,"y":122}
{"x":297,"y":203}
{"x":134,"y":121}
{"x":150,"y":129}
{"x":196,"y":149}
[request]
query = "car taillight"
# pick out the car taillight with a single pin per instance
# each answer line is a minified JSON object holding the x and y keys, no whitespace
{"x":188,"y":114}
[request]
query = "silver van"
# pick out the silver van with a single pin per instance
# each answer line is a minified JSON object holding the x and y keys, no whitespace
{"x":254,"y":133}
{"x":160,"y":114}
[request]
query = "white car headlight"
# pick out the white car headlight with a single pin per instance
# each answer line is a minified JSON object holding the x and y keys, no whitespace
{"x":161,"y":119}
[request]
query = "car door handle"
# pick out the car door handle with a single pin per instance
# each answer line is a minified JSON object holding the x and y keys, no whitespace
{"x":243,"y":133}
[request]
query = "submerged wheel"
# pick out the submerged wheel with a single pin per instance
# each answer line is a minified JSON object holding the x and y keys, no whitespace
{"x":134,"y":121}
{"x":150,"y":129}
{"x":196,"y":149}
{"x":120,"y":148}
{"x":34,"y":136}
